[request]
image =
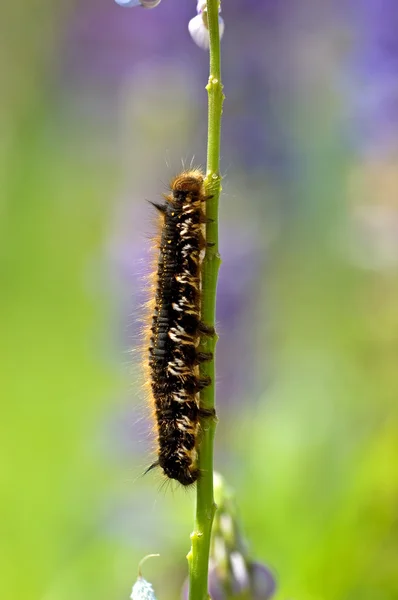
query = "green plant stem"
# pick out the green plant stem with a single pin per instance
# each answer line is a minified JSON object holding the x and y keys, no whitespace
{"x":198,"y":558}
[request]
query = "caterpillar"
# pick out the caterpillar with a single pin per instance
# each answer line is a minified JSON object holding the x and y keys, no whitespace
{"x":176,"y":328}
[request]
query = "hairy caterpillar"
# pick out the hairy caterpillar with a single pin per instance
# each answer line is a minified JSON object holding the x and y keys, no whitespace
{"x":176,"y":328}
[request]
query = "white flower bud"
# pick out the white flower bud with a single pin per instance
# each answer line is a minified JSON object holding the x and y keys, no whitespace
{"x":201,"y":6}
{"x":239,"y":571}
{"x":142,"y":590}
{"x":132,"y":3}
{"x":199,"y":33}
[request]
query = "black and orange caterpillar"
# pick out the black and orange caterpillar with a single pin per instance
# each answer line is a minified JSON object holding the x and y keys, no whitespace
{"x":176,"y":329}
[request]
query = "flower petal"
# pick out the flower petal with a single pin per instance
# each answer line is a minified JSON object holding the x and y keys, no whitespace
{"x":128,"y":3}
{"x":202,"y":5}
{"x":133,"y":3}
{"x":200,"y":33}
{"x":142,"y":590}
{"x":262,"y":581}
{"x":221,"y":26}
{"x":240,"y":576}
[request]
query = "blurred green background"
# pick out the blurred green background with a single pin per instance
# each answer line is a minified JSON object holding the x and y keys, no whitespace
{"x":98,"y":107}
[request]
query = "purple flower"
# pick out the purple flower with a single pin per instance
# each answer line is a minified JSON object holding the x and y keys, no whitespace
{"x":374,"y":74}
{"x":254,"y":579}
{"x":262,"y":581}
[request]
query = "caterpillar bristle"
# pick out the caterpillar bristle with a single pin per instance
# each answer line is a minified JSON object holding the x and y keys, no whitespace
{"x":176,"y":328}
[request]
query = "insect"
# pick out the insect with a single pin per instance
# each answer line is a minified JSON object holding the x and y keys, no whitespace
{"x":176,"y":329}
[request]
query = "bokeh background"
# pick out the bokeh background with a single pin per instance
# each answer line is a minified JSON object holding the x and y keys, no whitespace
{"x":98,"y":107}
